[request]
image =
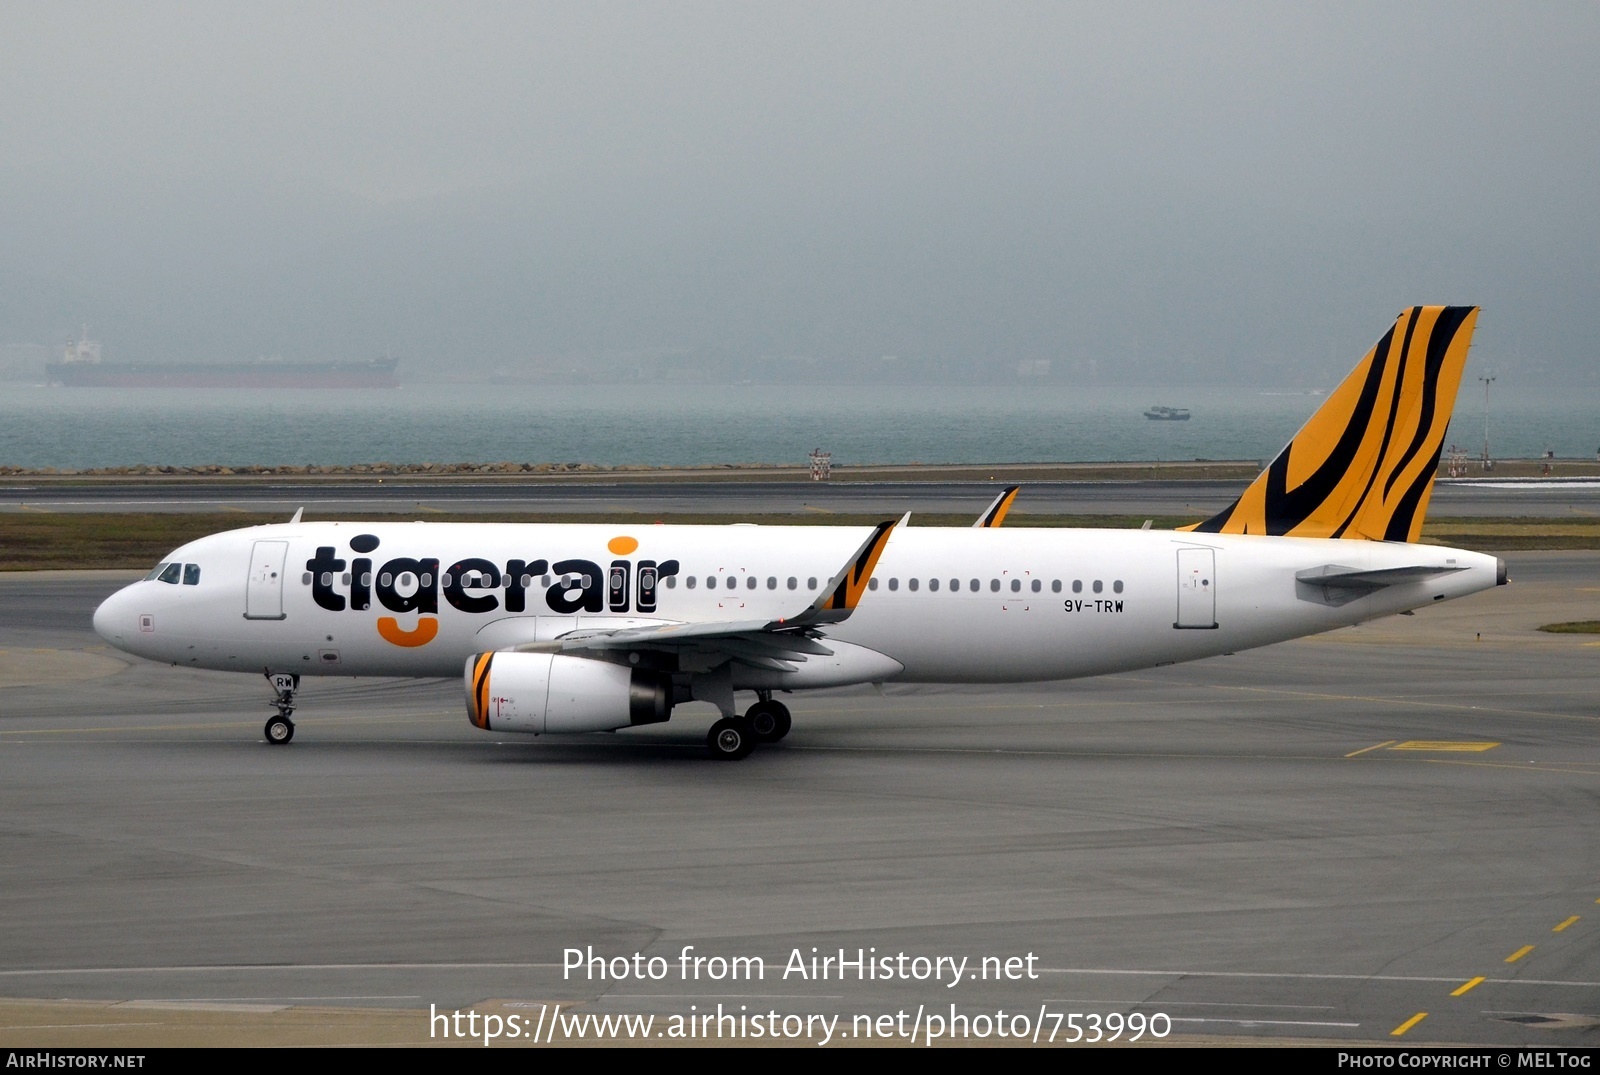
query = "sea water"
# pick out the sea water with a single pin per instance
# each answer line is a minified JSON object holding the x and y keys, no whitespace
{"x":686,"y":425}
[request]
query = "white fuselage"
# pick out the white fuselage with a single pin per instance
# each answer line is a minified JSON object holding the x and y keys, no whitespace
{"x":946,"y":605}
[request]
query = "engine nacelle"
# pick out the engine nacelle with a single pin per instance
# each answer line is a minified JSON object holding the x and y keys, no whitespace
{"x":547,"y":692}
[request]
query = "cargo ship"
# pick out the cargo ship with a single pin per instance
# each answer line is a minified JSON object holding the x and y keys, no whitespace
{"x":80,"y":367}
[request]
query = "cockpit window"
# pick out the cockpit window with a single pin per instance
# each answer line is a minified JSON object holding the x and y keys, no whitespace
{"x":155,"y":572}
{"x":170,"y":574}
{"x":191,"y":574}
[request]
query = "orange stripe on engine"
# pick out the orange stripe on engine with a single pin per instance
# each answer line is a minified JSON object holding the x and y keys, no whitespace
{"x":480,"y":691}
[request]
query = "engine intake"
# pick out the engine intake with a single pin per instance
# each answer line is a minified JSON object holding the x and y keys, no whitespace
{"x":546,"y":692}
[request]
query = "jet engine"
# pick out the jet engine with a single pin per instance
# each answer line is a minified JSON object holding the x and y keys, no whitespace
{"x":546,"y":692}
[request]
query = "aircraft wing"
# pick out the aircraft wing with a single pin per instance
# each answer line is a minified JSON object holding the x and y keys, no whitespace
{"x":777,"y":645}
{"x":756,"y":643}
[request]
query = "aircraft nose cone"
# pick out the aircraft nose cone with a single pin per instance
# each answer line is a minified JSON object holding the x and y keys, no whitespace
{"x":113,"y":619}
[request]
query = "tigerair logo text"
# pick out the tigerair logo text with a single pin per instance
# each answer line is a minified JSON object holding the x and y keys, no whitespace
{"x":410,"y":586}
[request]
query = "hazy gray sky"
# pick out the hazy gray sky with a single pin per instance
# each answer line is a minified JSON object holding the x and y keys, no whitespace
{"x":1184,"y":192}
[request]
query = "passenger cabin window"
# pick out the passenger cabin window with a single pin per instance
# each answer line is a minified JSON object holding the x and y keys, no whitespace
{"x":1037,"y":585}
{"x":872,"y":583}
{"x":1116,"y":587}
{"x":894,"y":584}
{"x":1098,"y":586}
{"x":911,"y":584}
{"x":1016,"y":585}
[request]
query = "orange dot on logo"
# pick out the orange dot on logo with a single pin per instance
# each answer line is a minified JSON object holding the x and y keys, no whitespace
{"x":622,"y":546}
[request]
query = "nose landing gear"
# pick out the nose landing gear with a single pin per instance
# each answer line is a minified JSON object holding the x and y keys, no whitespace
{"x":280,"y":729}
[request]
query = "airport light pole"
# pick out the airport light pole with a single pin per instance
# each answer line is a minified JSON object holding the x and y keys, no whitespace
{"x":1487,"y":381}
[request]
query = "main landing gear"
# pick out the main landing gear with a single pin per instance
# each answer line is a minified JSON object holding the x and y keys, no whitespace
{"x":769,"y":720}
{"x":732,"y":738}
{"x":280,"y":729}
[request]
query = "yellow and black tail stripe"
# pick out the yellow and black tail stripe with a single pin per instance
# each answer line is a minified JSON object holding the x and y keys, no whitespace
{"x":478,"y":696}
{"x":998,"y":510}
{"x":1363,"y":466}
{"x":852,"y":582}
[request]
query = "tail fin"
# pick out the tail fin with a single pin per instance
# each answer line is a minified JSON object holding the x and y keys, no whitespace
{"x":1363,"y":466}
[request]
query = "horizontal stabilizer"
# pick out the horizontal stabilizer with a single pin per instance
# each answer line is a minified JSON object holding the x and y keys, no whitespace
{"x":1335,"y":585}
{"x":1352,"y":578}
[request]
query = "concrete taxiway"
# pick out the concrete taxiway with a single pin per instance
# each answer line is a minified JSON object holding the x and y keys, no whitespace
{"x":1321,"y":840}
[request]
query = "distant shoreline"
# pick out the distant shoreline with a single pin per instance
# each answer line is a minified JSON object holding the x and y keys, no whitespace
{"x":1187,"y":470}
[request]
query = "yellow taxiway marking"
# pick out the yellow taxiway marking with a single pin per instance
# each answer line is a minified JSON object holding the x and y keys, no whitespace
{"x":1408,"y":1024}
{"x":1467,"y":987}
{"x":1519,"y":953}
{"x":825,"y":511}
{"x":1444,"y":746}
{"x":30,"y":507}
{"x":1375,"y":746}
{"x":1567,"y":923}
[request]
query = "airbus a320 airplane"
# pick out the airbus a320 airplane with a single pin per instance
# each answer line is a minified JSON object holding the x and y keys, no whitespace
{"x":565,"y":628}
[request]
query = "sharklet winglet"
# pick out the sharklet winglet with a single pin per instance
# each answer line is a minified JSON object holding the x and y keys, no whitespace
{"x":845,"y":589}
{"x":996,"y":512}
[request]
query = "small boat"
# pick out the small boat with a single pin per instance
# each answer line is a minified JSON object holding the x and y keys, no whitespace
{"x":1167,"y":414}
